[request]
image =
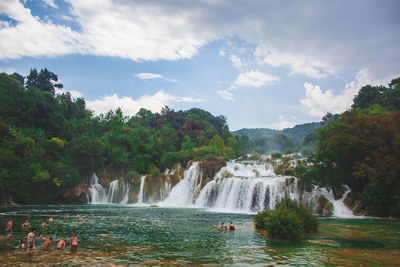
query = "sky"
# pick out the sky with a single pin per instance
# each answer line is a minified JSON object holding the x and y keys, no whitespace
{"x":260,"y":63}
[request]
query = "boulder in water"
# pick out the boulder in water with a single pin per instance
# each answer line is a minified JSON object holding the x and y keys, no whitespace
{"x":154,"y":206}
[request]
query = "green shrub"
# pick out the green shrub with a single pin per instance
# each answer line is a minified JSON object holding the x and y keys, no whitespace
{"x":289,"y":220}
{"x":284,"y":224}
{"x":276,"y":155}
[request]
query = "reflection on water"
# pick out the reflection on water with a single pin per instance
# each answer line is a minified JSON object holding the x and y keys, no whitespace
{"x":171,"y":236}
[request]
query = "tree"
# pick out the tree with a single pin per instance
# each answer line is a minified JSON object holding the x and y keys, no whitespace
{"x":46,"y":80}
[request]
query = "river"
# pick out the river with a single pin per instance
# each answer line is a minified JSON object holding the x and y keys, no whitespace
{"x":185,"y":236}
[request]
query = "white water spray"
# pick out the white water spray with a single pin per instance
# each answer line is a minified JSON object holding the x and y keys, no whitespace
{"x":140,"y":197}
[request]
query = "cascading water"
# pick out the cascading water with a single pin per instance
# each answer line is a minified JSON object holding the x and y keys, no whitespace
{"x":97,"y":193}
{"x":184,"y":192}
{"x":140,"y":197}
{"x":249,"y":188}
{"x":118,"y":192}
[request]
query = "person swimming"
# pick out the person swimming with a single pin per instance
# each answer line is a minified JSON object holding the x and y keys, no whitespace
{"x":223,"y":227}
{"x":231,"y":226}
{"x":61,"y":244}
{"x":21,"y":244}
{"x":26,"y":225}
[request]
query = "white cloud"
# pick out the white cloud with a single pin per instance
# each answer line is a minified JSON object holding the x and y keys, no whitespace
{"x":318,"y":103}
{"x":304,"y":38}
{"x":221,"y":52}
{"x":146,"y":30}
{"x":130,"y":106}
{"x":188,"y":99}
{"x":145,"y":76}
{"x":296,"y":63}
{"x":254,"y":78}
{"x":236,"y":62}
{"x":34,"y":37}
{"x":74,"y":94}
{"x":281,"y":125}
{"x":50,"y":3}
{"x":226,"y":94}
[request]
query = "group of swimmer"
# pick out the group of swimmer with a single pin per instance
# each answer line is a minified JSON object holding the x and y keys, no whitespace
{"x":223,"y":227}
{"x":47,"y":242}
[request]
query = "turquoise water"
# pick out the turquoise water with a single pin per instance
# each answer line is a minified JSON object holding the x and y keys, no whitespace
{"x":173,"y":236}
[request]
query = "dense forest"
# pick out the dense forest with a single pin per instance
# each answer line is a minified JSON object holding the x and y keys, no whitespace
{"x":289,"y":140}
{"x":361,"y":148}
{"x":50,"y":142}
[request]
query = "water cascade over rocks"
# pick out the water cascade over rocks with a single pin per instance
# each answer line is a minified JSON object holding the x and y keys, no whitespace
{"x":185,"y":191}
{"x":244,"y":187}
{"x":118,"y":192}
{"x":248,"y":188}
{"x":140,"y":197}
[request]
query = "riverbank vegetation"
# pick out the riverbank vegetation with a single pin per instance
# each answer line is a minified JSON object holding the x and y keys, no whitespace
{"x":361,"y":148}
{"x":289,"y":220}
{"x":49,"y":142}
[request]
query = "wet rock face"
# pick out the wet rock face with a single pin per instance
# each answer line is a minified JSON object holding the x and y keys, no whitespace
{"x":324,"y":207}
{"x":77,"y":194}
{"x":338,"y":192}
{"x":353,"y":202}
{"x":210,"y":168}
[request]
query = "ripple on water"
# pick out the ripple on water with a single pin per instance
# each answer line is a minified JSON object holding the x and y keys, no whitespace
{"x":168,"y":236}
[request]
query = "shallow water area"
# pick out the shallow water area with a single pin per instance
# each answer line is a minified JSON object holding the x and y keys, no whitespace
{"x":186,"y":236}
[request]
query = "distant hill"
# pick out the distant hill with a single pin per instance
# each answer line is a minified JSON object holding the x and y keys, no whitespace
{"x":296,"y":133}
{"x":289,"y":140}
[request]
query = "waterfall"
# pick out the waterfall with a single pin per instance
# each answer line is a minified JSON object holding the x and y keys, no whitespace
{"x":97,"y":193}
{"x":246,"y":187}
{"x":118,"y":192}
{"x":140,"y":197}
{"x":183,"y":193}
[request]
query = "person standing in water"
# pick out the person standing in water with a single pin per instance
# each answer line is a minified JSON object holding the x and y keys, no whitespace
{"x":61,"y":244}
{"x":73,"y":242}
{"x":31,"y":240}
{"x":8,"y":229}
{"x":50,"y":219}
{"x":44,"y":225}
{"x":47,"y":243}
{"x":231,"y":226}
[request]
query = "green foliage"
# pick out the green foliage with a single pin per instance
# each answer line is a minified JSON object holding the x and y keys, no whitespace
{"x":50,"y":142}
{"x":276,"y":155}
{"x":289,"y":220}
{"x":360,"y":149}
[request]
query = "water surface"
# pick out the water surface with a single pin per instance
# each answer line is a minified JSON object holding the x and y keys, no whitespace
{"x":174,"y":236}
